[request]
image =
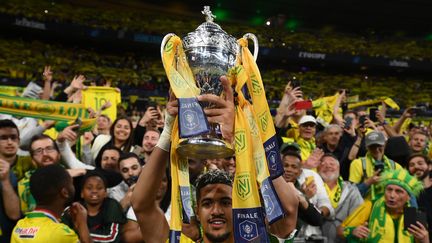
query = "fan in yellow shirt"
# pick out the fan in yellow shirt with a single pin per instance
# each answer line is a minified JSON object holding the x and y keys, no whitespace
{"x":42,"y":226}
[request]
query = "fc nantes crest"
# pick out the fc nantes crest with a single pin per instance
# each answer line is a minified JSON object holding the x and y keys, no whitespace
{"x":263,"y":121}
{"x":256,"y":87}
{"x":243,"y":185}
{"x":240,"y":140}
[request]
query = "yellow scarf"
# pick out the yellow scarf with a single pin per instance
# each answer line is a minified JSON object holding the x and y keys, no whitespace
{"x":389,"y":101}
{"x":306,"y":147}
{"x":248,"y":73}
{"x":382,"y":228}
{"x":64,"y":113}
{"x":324,"y":107}
{"x":335,"y":193}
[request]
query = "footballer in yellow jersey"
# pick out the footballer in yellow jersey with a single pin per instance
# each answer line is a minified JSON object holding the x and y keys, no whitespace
{"x":42,"y":226}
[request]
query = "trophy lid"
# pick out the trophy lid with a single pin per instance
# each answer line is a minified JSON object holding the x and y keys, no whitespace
{"x":210,"y":34}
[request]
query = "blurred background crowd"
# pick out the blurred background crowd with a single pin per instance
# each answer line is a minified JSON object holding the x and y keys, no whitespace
{"x":329,"y":88}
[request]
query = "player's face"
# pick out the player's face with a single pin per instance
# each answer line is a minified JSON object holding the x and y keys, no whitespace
{"x":215,"y":212}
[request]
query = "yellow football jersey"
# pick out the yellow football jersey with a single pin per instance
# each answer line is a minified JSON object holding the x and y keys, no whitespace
{"x":96,"y":96}
{"x":41,"y":226}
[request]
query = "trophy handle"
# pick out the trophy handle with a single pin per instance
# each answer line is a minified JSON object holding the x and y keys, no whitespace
{"x":164,"y":41}
{"x":255,"y":41}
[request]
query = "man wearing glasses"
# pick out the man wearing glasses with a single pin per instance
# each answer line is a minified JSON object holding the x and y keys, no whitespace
{"x":43,"y":152}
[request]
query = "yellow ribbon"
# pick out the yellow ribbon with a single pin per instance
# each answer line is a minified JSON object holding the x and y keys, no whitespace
{"x":246,"y":72}
{"x":183,"y":85}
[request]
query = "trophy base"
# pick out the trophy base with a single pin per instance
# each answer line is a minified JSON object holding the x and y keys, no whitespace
{"x":204,"y":148}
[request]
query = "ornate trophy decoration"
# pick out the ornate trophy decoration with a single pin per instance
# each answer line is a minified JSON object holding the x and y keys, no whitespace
{"x":209,"y":52}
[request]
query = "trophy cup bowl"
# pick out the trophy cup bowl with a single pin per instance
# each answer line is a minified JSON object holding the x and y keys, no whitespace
{"x":210,"y":53}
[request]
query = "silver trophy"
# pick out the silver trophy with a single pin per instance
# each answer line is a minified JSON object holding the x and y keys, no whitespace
{"x":210,"y":53}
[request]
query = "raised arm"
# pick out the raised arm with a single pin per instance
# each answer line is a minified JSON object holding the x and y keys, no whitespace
{"x":150,"y":217}
{"x":288,"y":197}
{"x":66,"y":152}
{"x":337,"y":118}
{"x":405,"y":115}
{"x":381,"y":114}
{"x":10,"y":198}
{"x":47,"y":78}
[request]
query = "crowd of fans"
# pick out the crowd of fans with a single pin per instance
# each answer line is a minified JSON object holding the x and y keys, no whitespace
{"x":147,"y":21}
{"x":133,"y":74}
{"x":335,"y":171}
{"x":348,"y":174}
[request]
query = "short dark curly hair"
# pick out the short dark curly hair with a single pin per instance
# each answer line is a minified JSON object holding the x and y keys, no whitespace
{"x":212,"y":177}
{"x":46,"y":183}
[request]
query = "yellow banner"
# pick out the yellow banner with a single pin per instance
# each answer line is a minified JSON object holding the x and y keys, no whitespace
{"x":11,"y":90}
{"x":46,"y":110}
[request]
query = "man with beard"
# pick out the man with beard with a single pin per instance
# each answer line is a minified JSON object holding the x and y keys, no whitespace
{"x":418,"y":142}
{"x":339,"y":141}
{"x":150,"y":139}
{"x":53,"y":190}
{"x":44,"y":152}
{"x":420,"y":166}
{"x":130,"y":169}
{"x":344,"y":196}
